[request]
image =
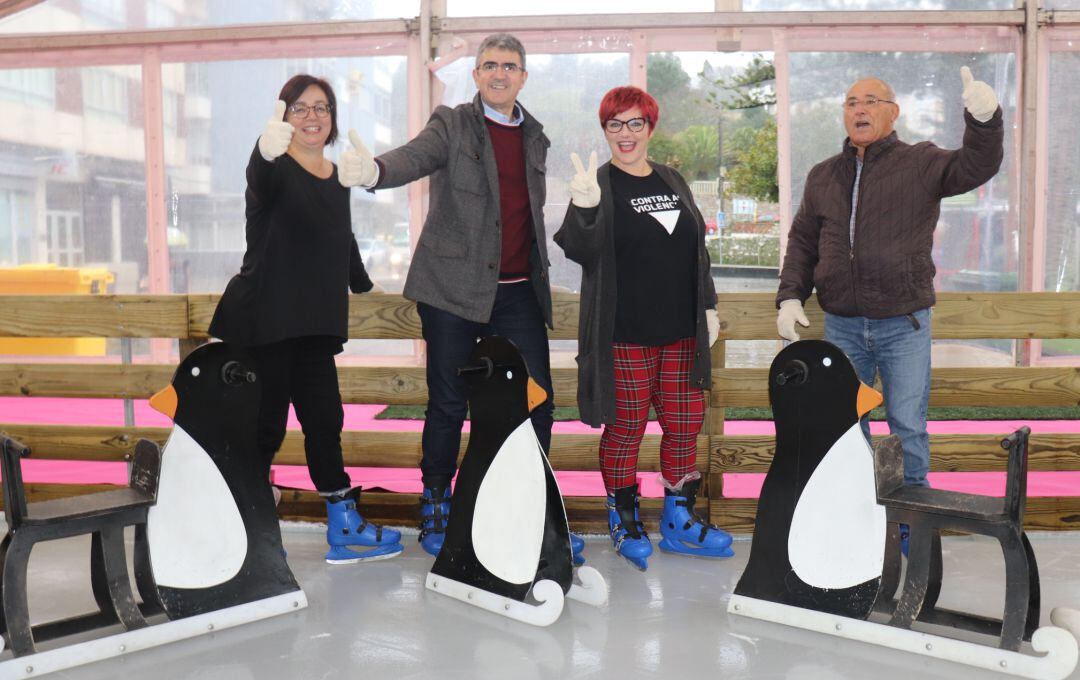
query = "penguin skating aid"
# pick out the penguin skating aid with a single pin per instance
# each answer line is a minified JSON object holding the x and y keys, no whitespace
{"x":209,"y":556}
{"x":819,"y":550}
{"x":507,"y":543}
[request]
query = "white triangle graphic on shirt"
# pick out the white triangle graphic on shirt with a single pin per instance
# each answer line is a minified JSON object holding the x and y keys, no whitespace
{"x":668,"y":218}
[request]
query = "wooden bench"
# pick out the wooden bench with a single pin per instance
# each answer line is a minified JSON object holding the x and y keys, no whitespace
{"x":103,"y":515}
{"x":928,"y":512}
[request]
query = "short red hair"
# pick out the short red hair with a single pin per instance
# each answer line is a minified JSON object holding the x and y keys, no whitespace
{"x":624,"y":98}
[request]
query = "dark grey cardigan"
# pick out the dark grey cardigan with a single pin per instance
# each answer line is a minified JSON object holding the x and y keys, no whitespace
{"x":587,"y":237}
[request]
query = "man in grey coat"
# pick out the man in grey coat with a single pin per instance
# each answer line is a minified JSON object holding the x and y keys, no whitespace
{"x":481,"y":264}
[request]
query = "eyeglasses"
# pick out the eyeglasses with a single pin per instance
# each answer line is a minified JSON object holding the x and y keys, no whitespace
{"x":869,"y":102}
{"x":635,"y":124}
{"x":301,"y":110}
{"x":492,"y":66}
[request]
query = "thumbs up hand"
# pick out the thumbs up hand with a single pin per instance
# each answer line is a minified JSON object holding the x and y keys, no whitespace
{"x":979,"y":98}
{"x":584,"y":189}
{"x":278,"y":134}
{"x":357,"y":165}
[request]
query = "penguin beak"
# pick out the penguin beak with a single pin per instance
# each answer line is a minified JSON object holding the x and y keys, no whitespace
{"x":165,"y":401}
{"x":537,"y":395}
{"x":867,"y":399}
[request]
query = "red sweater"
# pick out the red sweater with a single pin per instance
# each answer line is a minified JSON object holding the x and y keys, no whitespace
{"x":517,"y":226}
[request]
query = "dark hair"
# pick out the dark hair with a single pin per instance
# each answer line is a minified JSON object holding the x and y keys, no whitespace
{"x":624,"y":98}
{"x":295,"y":87}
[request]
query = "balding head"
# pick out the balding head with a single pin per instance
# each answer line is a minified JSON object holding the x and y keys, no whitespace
{"x":870,"y":110}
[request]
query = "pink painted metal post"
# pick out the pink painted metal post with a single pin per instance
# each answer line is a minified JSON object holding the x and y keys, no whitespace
{"x":157,"y":242}
{"x":783,"y":134}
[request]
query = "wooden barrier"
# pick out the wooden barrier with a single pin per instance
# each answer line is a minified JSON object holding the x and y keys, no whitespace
{"x":745,"y":316}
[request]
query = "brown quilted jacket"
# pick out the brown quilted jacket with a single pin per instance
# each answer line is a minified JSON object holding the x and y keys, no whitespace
{"x":888,"y":271}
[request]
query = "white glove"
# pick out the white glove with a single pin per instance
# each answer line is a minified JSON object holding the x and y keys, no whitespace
{"x":790,"y":312}
{"x":712,"y":320}
{"x":584,"y":190}
{"x":357,"y":165}
{"x":979,"y":98}
{"x":278,"y":134}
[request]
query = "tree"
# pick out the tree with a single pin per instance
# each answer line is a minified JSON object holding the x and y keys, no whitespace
{"x":752,"y":88}
{"x":755,"y":175}
{"x":698,"y":147}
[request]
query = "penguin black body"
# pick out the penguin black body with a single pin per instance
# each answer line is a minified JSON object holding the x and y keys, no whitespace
{"x":484,"y":542}
{"x":214,"y":400}
{"x":817,"y":401}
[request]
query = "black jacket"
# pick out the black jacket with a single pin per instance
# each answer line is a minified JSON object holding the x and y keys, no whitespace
{"x":301,"y":258}
{"x":588,"y":238}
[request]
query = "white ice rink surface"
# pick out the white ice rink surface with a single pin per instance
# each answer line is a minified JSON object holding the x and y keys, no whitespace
{"x":376,"y":620}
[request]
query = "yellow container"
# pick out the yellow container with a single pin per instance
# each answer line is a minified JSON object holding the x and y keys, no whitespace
{"x":49,"y":279}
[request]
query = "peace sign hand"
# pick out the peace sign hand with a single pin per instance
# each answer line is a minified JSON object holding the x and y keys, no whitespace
{"x":584,"y":189}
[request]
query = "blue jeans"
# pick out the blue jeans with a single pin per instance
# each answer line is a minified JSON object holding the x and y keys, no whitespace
{"x":900,"y":352}
{"x":450,"y":341}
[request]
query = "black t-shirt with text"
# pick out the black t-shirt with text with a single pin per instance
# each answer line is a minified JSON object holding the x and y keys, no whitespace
{"x":655,"y":261}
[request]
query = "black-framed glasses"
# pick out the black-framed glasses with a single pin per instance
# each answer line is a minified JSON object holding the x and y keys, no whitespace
{"x":869,"y":102}
{"x":614,"y":124}
{"x":301,"y":110}
{"x":492,"y":66}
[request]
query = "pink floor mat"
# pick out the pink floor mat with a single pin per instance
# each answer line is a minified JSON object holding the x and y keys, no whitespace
{"x":362,"y":417}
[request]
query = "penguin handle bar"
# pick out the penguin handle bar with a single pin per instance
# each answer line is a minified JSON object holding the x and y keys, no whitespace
{"x":796,"y":371}
{"x":235,"y":373}
{"x":486,"y":366}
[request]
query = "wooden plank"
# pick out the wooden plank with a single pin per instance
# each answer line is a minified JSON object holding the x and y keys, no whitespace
{"x":743,"y":316}
{"x":388,"y":316}
{"x":359,"y":384}
{"x":361,"y":448}
{"x":110,"y":316}
{"x":997,"y":386}
{"x":974,"y":386}
{"x":408,"y":385}
{"x":82,"y":442}
{"x":948,"y":453}
{"x":1043,"y":513}
{"x":107,"y":381}
{"x":752,"y":316}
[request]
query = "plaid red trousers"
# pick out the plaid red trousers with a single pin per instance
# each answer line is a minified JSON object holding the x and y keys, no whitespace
{"x":659,"y":376}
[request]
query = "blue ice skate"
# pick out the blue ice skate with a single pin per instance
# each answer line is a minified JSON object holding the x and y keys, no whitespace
{"x":345,"y":527}
{"x":627,"y":531}
{"x":684,"y":532}
{"x":434,"y":513}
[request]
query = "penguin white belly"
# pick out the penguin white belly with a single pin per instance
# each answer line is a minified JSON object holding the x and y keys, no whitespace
{"x":196,"y":535}
{"x":837,"y":534}
{"x":508,"y":521}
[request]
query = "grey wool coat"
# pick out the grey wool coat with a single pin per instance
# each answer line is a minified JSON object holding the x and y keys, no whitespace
{"x":587,"y":236}
{"x":456,"y":264}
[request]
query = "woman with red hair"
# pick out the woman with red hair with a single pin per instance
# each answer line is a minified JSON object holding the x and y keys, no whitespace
{"x":647,"y":321}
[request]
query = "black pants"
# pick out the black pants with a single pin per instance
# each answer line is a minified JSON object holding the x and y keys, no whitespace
{"x":302,"y":370}
{"x":450,"y":341}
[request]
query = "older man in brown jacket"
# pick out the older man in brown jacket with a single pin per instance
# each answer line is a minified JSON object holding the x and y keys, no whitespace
{"x":863,"y":237}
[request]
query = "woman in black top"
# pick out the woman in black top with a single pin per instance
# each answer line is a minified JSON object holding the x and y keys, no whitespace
{"x":647,"y":321}
{"x":289,"y":304}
